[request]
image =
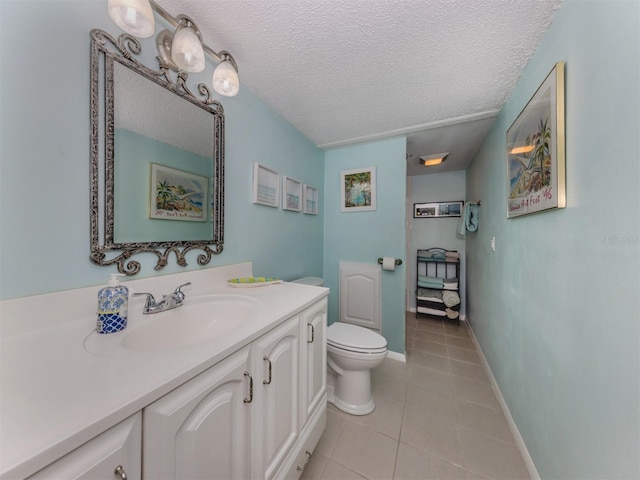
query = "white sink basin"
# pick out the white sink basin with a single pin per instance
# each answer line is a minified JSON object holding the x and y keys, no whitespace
{"x":198,"y":320}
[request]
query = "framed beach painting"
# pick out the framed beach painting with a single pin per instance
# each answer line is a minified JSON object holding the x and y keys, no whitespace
{"x":358,"y":190}
{"x":178,"y":195}
{"x":266,"y":186}
{"x":536,"y":151}
{"x":291,"y":194}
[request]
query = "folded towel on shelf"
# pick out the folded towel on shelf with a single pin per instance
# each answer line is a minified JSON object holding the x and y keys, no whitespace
{"x":450,"y":284}
{"x":428,"y":259}
{"x":426,"y":281}
{"x":452,"y":256}
{"x":430,"y":294}
{"x":432,"y":311}
{"x":450,"y":298}
{"x":433,"y":305}
{"x":452,"y":314}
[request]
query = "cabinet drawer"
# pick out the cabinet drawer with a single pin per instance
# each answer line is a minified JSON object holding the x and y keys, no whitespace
{"x":97,"y":459}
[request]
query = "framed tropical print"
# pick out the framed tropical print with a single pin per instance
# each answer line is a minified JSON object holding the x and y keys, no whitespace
{"x":177,"y":195}
{"x":358,"y":190}
{"x":536,"y":151}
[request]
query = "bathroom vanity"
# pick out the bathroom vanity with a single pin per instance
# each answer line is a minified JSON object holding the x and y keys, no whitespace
{"x":248,"y":402}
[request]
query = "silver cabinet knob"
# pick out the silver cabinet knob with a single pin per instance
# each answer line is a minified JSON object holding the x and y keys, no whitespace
{"x":119,"y":471}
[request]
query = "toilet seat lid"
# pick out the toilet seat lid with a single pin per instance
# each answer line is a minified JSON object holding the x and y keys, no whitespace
{"x":347,"y":336}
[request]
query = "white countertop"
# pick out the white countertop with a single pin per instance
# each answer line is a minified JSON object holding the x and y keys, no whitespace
{"x":55,"y":396}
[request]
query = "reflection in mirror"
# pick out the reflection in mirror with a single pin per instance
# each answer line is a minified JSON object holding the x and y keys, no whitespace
{"x":163,"y":165}
{"x":153,"y":125}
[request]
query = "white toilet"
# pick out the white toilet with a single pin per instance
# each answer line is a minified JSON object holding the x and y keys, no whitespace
{"x":352,"y":351}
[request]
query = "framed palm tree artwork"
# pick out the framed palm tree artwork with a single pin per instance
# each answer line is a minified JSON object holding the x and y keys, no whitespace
{"x":536,"y":151}
{"x":177,"y":195}
{"x":358,"y":190}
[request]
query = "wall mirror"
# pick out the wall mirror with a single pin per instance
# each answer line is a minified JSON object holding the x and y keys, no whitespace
{"x":157,"y":160}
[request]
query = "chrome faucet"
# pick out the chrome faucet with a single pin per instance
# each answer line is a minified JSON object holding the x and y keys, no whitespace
{"x":167,"y":302}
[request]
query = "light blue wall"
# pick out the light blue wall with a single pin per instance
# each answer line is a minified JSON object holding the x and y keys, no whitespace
{"x":556,"y":307}
{"x":44,"y":161}
{"x":366,"y":236}
{"x":437,"y":232}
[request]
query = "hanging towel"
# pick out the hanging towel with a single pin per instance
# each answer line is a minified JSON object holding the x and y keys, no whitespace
{"x":469,"y":219}
{"x":462,"y":227}
{"x":472,"y":219}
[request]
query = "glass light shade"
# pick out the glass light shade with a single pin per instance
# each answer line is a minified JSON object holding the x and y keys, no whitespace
{"x":186,"y":50}
{"x":133,"y":16}
{"x":225,"y":79}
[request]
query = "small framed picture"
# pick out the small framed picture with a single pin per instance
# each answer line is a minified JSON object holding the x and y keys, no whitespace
{"x":266,"y":186}
{"x":291,"y":194}
{"x":177,"y":195}
{"x":358,"y":190}
{"x":309,"y":200}
{"x":437,"y":209}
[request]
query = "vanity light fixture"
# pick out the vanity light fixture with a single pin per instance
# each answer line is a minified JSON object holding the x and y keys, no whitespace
{"x":432,"y":160}
{"x":133,"y":16}
{"x":186,"y":48}
{"x":225,"y":76}
{"x":182,"y":50}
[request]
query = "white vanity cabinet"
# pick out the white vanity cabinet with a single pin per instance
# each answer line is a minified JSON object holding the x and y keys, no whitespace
{"x":256,"y":414}
{"x":249,"y":408}
{"x":202,"y":429}
{"x":276,"y":362}
{"x":111,"y":454}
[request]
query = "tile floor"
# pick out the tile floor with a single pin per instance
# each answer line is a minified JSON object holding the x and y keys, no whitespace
{"x":436,"y":417}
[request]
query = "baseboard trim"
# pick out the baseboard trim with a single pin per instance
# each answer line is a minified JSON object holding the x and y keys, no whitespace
{"x":528,"y":461}
{"x":400,"y":357}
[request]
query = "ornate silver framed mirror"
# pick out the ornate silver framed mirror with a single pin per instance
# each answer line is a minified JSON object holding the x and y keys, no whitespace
{"x":157,"y":160}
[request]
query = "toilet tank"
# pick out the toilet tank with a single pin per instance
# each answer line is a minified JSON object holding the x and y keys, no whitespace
{"x":313,"y":281}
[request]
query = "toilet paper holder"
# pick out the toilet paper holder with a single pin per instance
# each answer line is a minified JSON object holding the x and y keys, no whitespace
{"x":398,"y":261}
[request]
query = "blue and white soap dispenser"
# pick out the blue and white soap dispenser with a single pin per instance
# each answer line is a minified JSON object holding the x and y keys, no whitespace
{"x":112,"y":306}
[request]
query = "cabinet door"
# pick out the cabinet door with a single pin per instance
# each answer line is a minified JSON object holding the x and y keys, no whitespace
{"x":313,"y":336}
{"x":277,"y":356}
{"x":120,"y":446}
{"x":201,"y":429}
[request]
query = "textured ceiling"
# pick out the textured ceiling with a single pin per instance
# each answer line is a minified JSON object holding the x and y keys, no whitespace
{"x":344,"y":71}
